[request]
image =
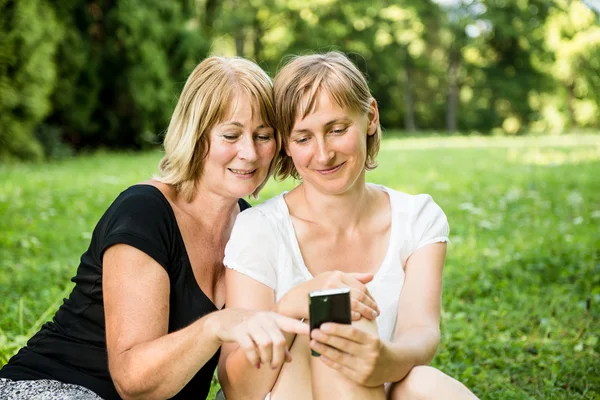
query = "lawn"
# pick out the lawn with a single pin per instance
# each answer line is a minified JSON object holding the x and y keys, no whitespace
{"x":521,"y":310}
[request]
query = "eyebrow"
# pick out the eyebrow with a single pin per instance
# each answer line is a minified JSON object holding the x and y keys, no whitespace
{"x":327,"y":125}
{"x":240,"y":125}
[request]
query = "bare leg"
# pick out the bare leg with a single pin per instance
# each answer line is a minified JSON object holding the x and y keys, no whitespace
{"x":424,"y":382}
{"x":327,"y":383}
{"x":306,"y":377}
{"x":294,"y":379}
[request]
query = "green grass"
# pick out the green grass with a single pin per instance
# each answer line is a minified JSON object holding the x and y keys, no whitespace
{"x":521,"y":311}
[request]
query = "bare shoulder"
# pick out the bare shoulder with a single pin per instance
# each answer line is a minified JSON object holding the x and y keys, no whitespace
{"x":381,"y":210}
{"x":167,"y":190}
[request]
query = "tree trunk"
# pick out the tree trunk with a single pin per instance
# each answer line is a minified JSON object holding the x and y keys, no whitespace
{"x":257,"y":39}
{"x":238,"y":33}
{"x":452,"y":103}
{"x":239,"y":43}
{"x":571,"y":104}
{"x":409,"y":106}
{"x":210,"y":12}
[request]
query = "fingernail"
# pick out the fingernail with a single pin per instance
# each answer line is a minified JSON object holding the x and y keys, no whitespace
{"x":375,"y":314}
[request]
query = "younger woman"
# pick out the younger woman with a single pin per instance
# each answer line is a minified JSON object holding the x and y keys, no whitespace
{"x":335,"y":229}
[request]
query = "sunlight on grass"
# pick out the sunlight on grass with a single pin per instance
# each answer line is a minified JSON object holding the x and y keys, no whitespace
{"x":553,"y":157}
{"x":521,"y":306}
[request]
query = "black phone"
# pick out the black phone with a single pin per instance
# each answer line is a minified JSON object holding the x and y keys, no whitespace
{"x":329,"y":305}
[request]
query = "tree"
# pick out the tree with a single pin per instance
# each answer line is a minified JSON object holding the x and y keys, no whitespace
{"x":573,"y":37}
{"x":122,"y":64}
{"x":29,"y":36}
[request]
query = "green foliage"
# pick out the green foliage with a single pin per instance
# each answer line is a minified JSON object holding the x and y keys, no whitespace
{"x":107,"y":73}
{"x":29,"y":35}
{"x":124,"y":66}
{"x":521,"y":305}
{"x":101,"y":73}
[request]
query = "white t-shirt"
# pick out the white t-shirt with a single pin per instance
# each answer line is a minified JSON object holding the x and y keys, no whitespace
{"x":264,"y":247}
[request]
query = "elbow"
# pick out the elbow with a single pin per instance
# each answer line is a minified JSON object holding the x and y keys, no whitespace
{"x":433,"y":342}
{"x":133,"y":385}
{"x":129,"y":389}
{"x":126,"y":390}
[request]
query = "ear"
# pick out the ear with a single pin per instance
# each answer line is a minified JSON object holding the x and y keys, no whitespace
{"x":373,"y":116}
{"x":285,"y":147}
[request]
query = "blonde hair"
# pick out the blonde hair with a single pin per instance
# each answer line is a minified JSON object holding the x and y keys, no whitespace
{"x":205,"y":100}
{"x":297,"y":86}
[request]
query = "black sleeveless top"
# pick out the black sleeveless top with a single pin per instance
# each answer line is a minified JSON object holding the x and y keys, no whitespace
{"x":72,"y":348}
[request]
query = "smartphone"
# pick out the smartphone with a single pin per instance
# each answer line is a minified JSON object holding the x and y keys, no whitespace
{"x":329,"y":305}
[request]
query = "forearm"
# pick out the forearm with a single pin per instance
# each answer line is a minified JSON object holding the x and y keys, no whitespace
{"x":250,"y":382}
{"x":293,"y":306}
{"x":412,"y":347}
{"x":160,"y":368}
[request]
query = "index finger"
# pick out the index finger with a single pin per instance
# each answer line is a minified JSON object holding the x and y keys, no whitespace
{"x":291,"y":325}
{"x":362,"y":277}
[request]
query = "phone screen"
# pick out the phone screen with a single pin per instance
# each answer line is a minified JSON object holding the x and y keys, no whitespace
{"x":330,"y":305}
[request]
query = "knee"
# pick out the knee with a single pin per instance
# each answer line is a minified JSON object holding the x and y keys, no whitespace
{"x":424,"y":382}
{"x":421,"y":382}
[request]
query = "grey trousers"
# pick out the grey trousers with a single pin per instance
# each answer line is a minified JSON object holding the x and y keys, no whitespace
{"x":43,"y":389}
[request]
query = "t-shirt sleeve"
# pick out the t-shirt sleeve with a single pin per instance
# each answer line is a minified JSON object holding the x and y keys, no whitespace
{"x":252,"y":248}
{"x":429,"y":224}
{"x":139,"y":217}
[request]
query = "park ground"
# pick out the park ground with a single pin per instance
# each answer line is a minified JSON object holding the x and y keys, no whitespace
{"x":521,"y":306}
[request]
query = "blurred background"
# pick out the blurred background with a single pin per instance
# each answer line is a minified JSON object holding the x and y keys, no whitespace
{"x":82,"y":74}
{"x":490,"y":106}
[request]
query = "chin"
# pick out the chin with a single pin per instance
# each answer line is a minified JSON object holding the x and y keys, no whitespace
{"x":240,"y":190}
{"x":331,"y":188}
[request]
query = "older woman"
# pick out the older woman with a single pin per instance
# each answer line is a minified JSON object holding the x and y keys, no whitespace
{"x":143,"y":320}
{"x":335,"y":229}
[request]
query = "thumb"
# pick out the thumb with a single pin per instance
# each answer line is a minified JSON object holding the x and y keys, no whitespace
{"x":362,"y":277}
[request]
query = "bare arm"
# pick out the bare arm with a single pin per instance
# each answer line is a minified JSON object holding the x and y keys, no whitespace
{"x":418,"y":331}
{"x":250,"y":382}
{"x":366,"y":359}
{"x":245,"y":292}
{"x":144,"y":360}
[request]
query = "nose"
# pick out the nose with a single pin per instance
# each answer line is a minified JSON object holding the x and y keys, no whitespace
{"x":247,"y":149}
{"x":324,"y":154}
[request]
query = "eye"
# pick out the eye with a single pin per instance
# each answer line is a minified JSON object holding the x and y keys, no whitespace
{"x":301,"y":140}
{"x":230,"y":136}
{"x":339,"y":130}
{"x":263,"y":137}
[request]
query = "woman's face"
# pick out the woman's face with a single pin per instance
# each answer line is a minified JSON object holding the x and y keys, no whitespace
{"x":242,"y":147}
{"x":329,"y":146}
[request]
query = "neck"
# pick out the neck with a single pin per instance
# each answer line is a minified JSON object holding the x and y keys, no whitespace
{"x":213,"y":211}
{"x":341,"y":212}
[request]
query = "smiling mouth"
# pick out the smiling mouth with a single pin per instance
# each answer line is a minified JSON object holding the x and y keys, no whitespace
{"x":242,"y":172}
{"x":330,"y":170}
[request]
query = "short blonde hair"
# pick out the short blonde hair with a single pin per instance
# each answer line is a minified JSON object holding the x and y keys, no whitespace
{"x":297,"y":86}
{"x":204,"y":102}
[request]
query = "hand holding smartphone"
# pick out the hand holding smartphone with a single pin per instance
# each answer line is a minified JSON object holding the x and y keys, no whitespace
{"x":329,"y":305}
